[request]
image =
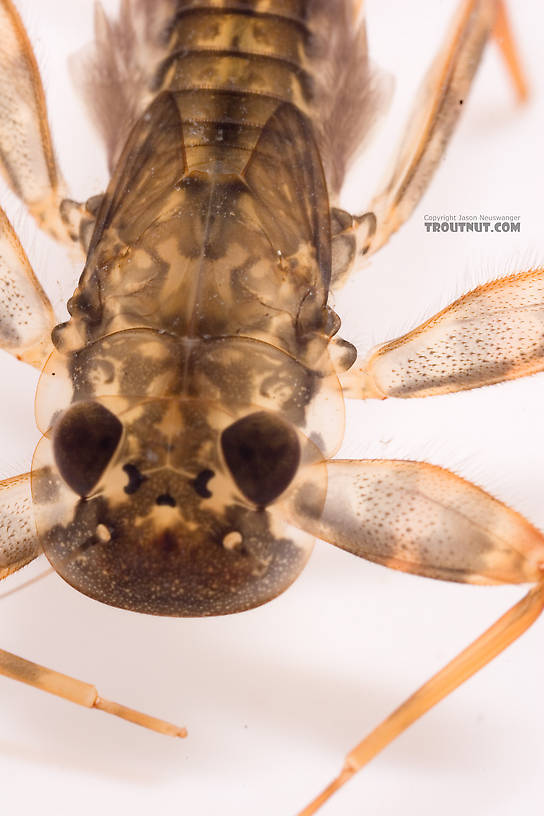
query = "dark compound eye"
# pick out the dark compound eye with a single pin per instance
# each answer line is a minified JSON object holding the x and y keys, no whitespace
{"x":262,"y":453}
{"x":85,"y":440}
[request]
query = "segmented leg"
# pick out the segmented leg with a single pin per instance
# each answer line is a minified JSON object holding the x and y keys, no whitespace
{"x":431,"y":124}
{"x":18,"y":546}
{"x":27,"y":159}
{"x":19,"y":543}
{"x":435,"y":113}
{"x":492,"y":334}
{"x":503,"y":36}
{"x":418,"y":518}
{"x":79,"y":692}
{"x":493,"y":641}
{"x":422,"y":519}
{"x":26,"y":315}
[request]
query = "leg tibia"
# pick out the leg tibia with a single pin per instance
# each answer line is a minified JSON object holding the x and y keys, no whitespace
{"x":436,"y":111}
{"x":76,"y":691}
{"x":27,"y":159}
{"x":497,"y":638}
{"x":18,"y":546}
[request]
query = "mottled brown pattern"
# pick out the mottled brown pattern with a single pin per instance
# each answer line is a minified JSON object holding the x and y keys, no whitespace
{"x":198,"y":365}
{"x":203,"y":303}
{"x":191,"y":406}
{"x":148,"y":537}
{"x":209,"y":252}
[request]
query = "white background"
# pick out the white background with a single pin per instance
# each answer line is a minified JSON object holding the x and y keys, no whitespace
{"x":273,"y":698}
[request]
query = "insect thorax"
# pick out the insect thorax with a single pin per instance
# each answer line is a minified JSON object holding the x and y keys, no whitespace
{"x":194,"y":373}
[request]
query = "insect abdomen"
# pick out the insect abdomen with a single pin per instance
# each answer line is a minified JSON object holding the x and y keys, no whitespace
{"x":229,"y":69}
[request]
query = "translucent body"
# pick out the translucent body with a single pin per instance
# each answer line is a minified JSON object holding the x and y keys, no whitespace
{"x":203,"y":301}
{"x":154,"y":430}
